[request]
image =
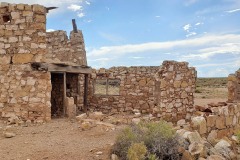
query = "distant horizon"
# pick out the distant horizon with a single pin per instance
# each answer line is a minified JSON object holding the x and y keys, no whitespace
{"x":204,"y":33}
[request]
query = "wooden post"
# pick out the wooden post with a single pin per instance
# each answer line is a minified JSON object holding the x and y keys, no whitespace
{"x":64,"y":93}
{"x":85,"y":103}
{"x":74,"y":25}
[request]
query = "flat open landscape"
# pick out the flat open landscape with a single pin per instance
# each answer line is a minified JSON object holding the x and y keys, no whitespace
{"x":63,"y":139}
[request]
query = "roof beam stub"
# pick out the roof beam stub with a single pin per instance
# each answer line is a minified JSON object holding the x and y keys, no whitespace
{"x":74,"y":25}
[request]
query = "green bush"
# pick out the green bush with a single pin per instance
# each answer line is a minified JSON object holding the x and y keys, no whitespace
{"x":137,"y":151}
{"x":159,"y":138}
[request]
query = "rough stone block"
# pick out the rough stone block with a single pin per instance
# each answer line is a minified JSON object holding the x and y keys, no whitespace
{"x":22,"y":58}
{"x":220,"y":122}
{"x":211,"y":120}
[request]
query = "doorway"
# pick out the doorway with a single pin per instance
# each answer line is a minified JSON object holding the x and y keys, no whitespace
{"x":57,"y":95}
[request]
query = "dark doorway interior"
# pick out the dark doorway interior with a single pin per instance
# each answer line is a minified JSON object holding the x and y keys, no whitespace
{"x":57,"y":109}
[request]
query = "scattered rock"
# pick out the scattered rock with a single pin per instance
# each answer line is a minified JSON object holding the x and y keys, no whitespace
{"x":194,"y":137}
{"x":96,"y":116}
{"x":200,"y":124}
{"x":223,"y":148}
{"x":136,"y":120}
{"x":235,"y":139}
{"x":114,"y":157}
{"x":187,"y":156}
{"x":99,"y":153}
{"x":81,"y":117}
{"x":181,"y":122}
{"x":215,"y":157}
{"x":9,"y":134}
{"x":196,"y":148}
{"x":212,"y":137}
{"x":13,"y":120}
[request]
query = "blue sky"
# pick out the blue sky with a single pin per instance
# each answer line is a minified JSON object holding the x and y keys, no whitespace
{"x":205,"y":33}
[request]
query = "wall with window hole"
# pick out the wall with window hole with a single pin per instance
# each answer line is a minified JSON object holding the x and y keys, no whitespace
{"x":23,"y":92}
{"x":120,"y":89}
{"x":165,"y":91}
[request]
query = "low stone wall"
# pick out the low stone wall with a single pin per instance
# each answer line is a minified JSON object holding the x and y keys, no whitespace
{"x":223,"y":121}
{"x":60,"y":49}
{"x":136,"y":91}
{"x":166,"y":91}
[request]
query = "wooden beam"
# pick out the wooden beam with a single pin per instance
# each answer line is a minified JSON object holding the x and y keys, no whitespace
{"x":64,"y":93}
{"x":85,"y":103}
{"x":61,"y":68}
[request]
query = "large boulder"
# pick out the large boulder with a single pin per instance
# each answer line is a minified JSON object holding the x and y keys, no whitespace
{"x":215,"y":157}
{"x":200,"y":124}
{"x":197,"y":149}
{"x":195,"y":137}
{"x":223,"y":148}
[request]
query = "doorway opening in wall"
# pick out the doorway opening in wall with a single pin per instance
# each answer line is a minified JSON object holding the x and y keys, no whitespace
{"x":57,"y":95}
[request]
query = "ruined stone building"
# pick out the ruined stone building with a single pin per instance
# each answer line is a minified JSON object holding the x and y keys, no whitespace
{"x":165,"y":90}
{"x":45,"y":74}
{"x":38,"y":70}
{"x":234,"y":87}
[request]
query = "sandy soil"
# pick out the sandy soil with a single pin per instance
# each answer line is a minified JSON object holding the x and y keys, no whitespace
{"x":59,"y":139}
{"x":210,"y":94}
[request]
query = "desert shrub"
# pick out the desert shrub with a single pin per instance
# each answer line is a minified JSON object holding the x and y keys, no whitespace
{"x":238,"y":136}
{"x":159,"y":138}
{"x":137,"y":151}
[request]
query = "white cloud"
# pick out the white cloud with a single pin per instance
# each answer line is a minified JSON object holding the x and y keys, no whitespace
{"x":226,"y":43}
{"x":88,"y":3}
{"x":50,"y":30}
{"x":199,"y":23}
{"x":137,"y":57}
{"x":75,"y":7}
{"x":190,"y":2}
{"x":232,"y":11}
{"x":187,"y":27}
{"x":157,"y":16}
{"x":81,"y":14}
{"x":191,"y":34}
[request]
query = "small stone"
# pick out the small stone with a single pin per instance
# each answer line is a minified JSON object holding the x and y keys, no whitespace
{"x":136,"y":120}
{"x":99,"y":153}
{"x":9,"y":134}
{"x":181,"y":122}
{"x":81,"y":117}
{"x":114,"y":157}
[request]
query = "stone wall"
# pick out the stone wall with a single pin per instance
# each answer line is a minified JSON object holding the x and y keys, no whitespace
{"x":175,"y":87}
{"x":166,"y":91}
{"x":137,"y":86}
{"x":23,"y":92}
{"x":23,"y":37}
{"x":63,"y":50}
{"x":234,"y":87}
{"x":223,"y":121}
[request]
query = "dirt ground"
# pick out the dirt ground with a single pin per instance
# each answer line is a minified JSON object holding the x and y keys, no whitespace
{"x":59,"y":139}
{"x":62,"y":139}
